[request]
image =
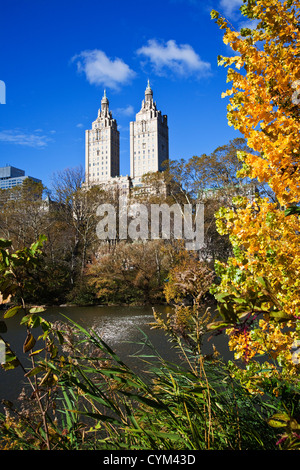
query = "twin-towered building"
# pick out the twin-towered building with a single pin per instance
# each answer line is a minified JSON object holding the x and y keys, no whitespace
{"x":149,"y":144}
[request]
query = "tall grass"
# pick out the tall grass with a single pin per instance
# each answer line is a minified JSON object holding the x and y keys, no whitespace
{"x":194,"y":405}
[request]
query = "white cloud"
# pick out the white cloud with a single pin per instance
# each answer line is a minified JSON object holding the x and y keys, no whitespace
{"x":250,"y":23}
{"x":180,"y":59}
{"x":128,"y":111}
{"x":19,"y":137}
{"x":101,"y":70}
{"x":230,"y":7}
{"x":79,"y":125}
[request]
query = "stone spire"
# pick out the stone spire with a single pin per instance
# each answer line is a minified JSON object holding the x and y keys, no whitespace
{"x":148,"y":92}
{"x":148,"y":96}
{"x":104,"y":104}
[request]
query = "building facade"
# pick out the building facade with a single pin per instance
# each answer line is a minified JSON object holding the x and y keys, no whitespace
{"x":11,"y":177}
{"x":149,"y":139}
{"x":149,"y":146}
{"x":102,"y":147}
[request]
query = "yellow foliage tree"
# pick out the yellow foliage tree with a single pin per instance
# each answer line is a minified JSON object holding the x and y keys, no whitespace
{"x":259,"y":293}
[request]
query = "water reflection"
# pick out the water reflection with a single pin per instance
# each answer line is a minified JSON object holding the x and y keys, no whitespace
{"x":122,"y":328}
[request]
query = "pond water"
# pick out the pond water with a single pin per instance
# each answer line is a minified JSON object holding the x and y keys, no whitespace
{"x":122,"y":328}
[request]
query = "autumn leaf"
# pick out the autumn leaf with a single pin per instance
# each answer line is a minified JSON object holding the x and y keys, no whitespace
{"x":29,"y":343}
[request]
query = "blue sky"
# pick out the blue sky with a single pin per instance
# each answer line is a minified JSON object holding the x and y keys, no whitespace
{"x":57,"y":57}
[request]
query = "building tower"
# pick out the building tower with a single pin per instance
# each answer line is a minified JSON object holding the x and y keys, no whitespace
{"x":102,"y":147}
{"x":149,"y":139}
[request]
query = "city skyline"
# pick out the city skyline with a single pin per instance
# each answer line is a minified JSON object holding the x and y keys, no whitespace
{"x":56,"y":61}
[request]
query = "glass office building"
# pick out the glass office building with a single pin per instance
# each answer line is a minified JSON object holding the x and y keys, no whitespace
{"x":11,"y":176}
